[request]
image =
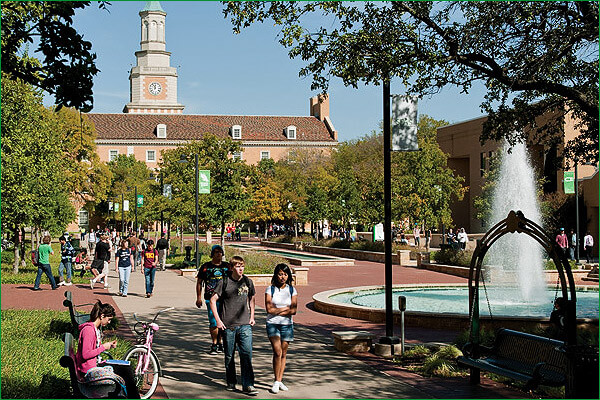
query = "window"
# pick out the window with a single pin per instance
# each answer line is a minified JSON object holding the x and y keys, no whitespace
{"x":290,"y":132}
{"x":264,"y":155}
{"x":481,"y":163}
{"x":129,"y":150}
{"x":83,"y":217}
{"x":113,"y":154}
{"x":150,"y":155}
{"x":161,"y":131}
{"x":236,"y":132}
{"x":237,"y":155}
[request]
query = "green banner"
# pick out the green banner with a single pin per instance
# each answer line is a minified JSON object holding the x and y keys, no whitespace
{"x":140,"y":200}
{"x":204,"y":181}
{"x":569,"y":182}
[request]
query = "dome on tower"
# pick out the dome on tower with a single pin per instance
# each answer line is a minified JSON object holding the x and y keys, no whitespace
{"x":153,"y":6}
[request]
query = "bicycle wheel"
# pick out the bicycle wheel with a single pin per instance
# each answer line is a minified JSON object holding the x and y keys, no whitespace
{"x":146,"y":380}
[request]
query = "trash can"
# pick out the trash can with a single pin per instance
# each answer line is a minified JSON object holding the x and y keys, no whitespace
{"x":582,"y":372}
{"x":188,"y":253}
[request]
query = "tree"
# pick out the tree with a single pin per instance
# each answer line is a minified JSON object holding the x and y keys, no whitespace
{"x":68,"y":65}
{"x":265,"y":204}
{"x":534,"y":58}
{"x":228,"y":196}
{"x":34,"y":187}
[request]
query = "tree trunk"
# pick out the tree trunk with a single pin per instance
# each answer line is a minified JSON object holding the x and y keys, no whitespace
{"x":181,"y":248}
{"x":295,"y":228}
{"x":266,"y":230}
{"x":22,"y":247}
{"x":223,"y":234}
{"x":16,"y":250}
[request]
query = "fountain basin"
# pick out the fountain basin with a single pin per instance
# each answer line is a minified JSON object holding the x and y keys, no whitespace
{"x":350,"y":303}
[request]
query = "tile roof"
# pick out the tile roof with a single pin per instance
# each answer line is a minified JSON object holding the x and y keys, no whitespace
{"x":192,"y":127}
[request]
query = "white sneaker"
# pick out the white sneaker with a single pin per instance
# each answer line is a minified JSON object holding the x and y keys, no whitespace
{"x":283,"y":387}
{"x":106,"y":286}
{"x":61,"y":283}
{"x":68,"y":283}
{"x":275,"y":388}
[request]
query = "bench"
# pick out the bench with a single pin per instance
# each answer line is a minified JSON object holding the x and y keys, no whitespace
{"x":521,"y":356}
{"x":77,"y":317}
{"x":68,"y":361}
{"x":352,"y":341}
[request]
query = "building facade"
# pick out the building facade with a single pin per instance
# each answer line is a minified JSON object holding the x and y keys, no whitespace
{"x":469,"y":159}
{"x":153,"y":119}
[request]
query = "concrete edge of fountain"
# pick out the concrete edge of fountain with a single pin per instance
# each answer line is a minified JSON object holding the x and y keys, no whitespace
{"x":422,"y":319}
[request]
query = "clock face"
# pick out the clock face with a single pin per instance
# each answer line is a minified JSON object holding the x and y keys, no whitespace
{"x":154,"y":88}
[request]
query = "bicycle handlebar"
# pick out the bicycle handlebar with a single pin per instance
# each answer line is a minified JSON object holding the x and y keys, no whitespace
{"x":156,"y":316}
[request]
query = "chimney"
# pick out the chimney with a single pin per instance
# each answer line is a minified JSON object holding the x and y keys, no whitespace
{"x":319,"y":106}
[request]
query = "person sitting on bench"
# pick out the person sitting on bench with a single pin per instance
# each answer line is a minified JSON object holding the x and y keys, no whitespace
{"x":88,"y":355}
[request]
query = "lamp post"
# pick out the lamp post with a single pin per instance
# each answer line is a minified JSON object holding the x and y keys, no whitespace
{"x":184,"y":160}
{"x":122,"y":215}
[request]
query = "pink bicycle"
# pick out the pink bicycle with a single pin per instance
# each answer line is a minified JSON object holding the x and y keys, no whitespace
{"x":144,"y":362}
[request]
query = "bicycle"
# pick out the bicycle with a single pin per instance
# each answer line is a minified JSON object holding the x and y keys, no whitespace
{"x":144,"y":362}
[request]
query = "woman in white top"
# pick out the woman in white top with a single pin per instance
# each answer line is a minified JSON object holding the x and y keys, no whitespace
{"x":463,"y":238}
{"x":281,"y":302}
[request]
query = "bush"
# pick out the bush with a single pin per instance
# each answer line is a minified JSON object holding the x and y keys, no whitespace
{"x":549,"y":264}
{"x":460,"y":258}
{"x":256,"y":262}
{"x":442,"y":363}
{"x":417,"y":352}
{"x":31,"y":347}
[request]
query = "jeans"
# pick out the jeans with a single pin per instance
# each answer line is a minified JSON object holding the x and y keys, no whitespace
{"x":242,"y":337}
{"x":137,"y":259}
{"x":162,"y":257}
{"x":149,"y":275}
{"x":64,"y":264}
{"x":572,"y":253}
{"x":124,"y":274}
{"x":44,"y":268}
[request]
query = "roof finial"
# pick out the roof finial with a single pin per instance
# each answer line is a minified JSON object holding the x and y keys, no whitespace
{"x":153,"y":6}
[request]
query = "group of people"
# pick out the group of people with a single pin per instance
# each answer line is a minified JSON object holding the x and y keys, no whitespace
{"x":457,"y":240}
{"x":230,"y":299}
{"x":568,"y":244}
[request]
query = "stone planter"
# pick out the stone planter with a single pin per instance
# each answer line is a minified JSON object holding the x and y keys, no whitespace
{"x":422,"y":256}
{"x":403,"y":257}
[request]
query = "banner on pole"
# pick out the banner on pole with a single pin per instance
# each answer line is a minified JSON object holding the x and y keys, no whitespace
{"x":125,"y":205}
{"x":569,"y":182}
{"x":116,"y":207}
{"x":204,"y":181}
{"x":110,"y":206}
{"x":167,"y":191}
{"x":140,"y":200}
{"x":404,"y":123}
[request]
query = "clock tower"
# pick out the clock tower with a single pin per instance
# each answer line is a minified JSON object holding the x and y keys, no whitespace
{"x":153,"y":82}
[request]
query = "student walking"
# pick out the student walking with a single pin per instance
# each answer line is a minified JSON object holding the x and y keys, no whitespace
{"x":100,"y":264}
{"x":281,"y":302}
{"x":150,"y":261}
{"x":162,"y":245}
{"x":66,"y":253}
{"x":44,"y":252}
{"x":209,"y":275}
{"x":238,"y":299}
{"x":588,"y":246}
{"x":123,"y":265}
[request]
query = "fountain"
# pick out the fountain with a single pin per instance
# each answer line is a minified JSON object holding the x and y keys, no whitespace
{"x":513,"y":268}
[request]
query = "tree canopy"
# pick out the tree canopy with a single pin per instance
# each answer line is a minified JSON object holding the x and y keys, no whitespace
{"x":532,"y":57}
{"x":67,"y":65}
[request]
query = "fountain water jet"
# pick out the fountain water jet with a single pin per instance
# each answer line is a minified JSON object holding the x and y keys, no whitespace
{"x":516,"y":260}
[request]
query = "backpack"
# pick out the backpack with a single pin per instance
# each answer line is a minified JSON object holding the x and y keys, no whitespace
{"x":35,"y":257}
{"x":289,"y":286}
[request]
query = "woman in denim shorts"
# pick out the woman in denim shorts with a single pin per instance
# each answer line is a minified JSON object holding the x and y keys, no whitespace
{"x":281,"y":302}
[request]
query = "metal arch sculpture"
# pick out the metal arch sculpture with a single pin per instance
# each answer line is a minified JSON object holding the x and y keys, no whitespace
{"x":516,"y":222}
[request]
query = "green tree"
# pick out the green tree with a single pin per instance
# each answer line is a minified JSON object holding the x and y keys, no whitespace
{"x":67,"y":67}
{"x":265,"y":204}
{"x":532,"y":57}
{"x":228,"y":197}
{"x":35,"y":191}
{"x":127,"y":175}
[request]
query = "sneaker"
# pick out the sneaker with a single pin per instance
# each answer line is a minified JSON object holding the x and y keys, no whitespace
{"x":106,"y":286}
{"x":36,"y":288}
{"x":213,"y":350}
{"x":92,"y":283}
{"x":275,"y":388}
{"x":230,"y":387}
{"x":61,"y":283}
{"x":250,"y":390}
{"x":119,"y":294}
{"x":220,"y":348}
{"x":147,"y":295}
{"x":283,"y":387}
{"x":124,"y":295}
{"x":68,"y":283}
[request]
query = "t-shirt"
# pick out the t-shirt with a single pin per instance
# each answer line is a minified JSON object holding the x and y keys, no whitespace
{"x":280,"y":298}
{"x":162,"y":244}
{"x":44,"y":253}
{"x":103,"y":251}
{"x":234,"y":301}
{"x":123,"y":256}
{"x":149,"y":257}
{"x":212,"y":274}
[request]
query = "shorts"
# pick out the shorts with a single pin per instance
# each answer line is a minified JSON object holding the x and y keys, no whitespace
{"x":212,"y":322}
{"x":285,"y":332}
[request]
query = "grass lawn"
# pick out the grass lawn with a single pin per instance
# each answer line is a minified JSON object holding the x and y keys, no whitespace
{"x":31,"y":348}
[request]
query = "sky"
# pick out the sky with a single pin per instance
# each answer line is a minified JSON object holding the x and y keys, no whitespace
{"x":247,"y":74}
